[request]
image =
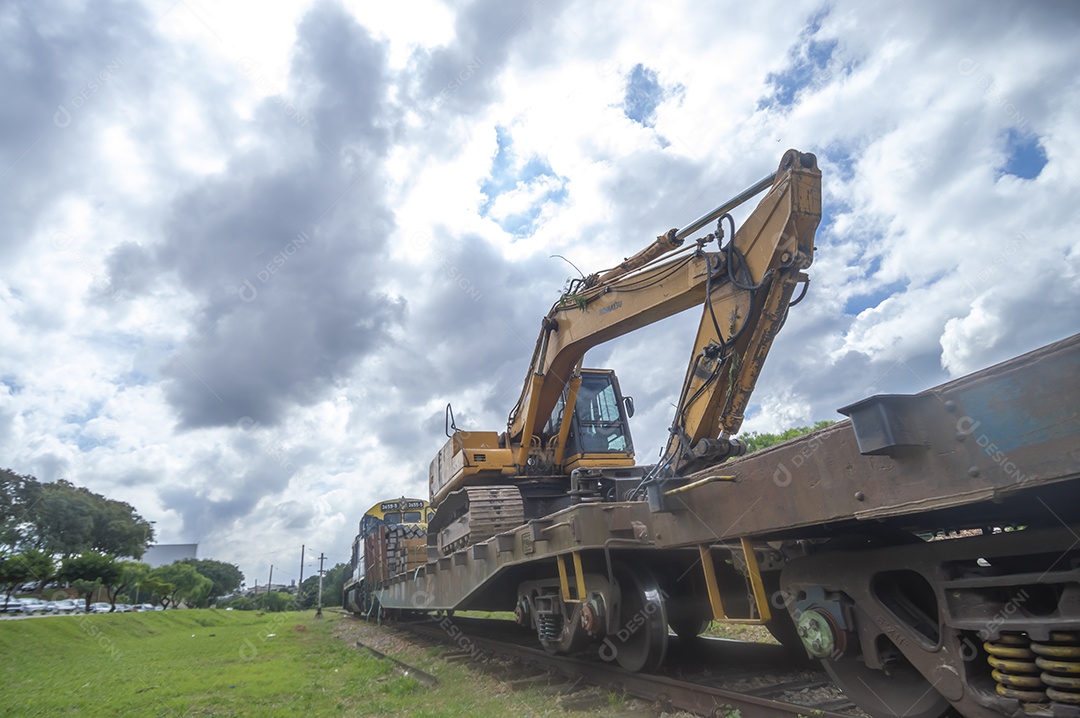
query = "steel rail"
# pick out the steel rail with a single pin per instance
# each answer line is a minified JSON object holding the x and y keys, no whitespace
{"x":665,"y":691}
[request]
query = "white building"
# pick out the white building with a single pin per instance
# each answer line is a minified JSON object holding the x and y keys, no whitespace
{"x":163,"y":554}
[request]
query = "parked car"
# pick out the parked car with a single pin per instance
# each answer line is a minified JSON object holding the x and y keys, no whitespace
{"x":100,"y":607}
{"x":143,"y":607}
{"x":66,"y":605}
{"x":34,"y":605}
{"x":11,"y":605}
{"x":123,"y":608}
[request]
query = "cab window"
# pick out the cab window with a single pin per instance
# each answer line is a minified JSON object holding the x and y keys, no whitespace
{"x":599,"y":421}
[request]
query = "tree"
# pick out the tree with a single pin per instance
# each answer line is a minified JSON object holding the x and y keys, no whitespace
{"x":23,"y":567}
{"x":755,"y":441}
{"x":226,"y":577}
{"x":18,"y":496}
{"x":63,"y":519}
{"x":308,"y":592}
{"x":240,"y":603}
{"x":157,"y":589}
{"x":307,"y":595}
{"x":117,"y":529}
{"x":187,"y":585}
{"x":275,"y":601}
{"x":334,"y":584}
{"x":89,"y":571}
{"x":132,"y":573}
{"x":67,"y":519}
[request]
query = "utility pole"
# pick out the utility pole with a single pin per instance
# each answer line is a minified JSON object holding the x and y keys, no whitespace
{"x":318,"y":612}
{"x":300,"y":584}
{"x":271,"y":579}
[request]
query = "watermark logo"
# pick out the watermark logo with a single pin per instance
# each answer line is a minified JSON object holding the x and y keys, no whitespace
{"x":427,"y":117}
{"x":1001,"y":260}
{"x":969,"y":67}
{"x":463,"y":642}
{"x":248,"y":292}
{"x":995,"y":623}
{"x":273,"y":449}
{"x":422,"y":240}
{"x":249,"y":68}
{"x":967,"y":426}
{"x":782,"y":476}
{"x":64,"y":242}
{"x":609,"y":651}
{"x":249,"y":650}
{"x":63,"y":116}
{"x":90,"y":628}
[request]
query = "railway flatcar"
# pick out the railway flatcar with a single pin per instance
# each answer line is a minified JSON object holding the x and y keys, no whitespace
{"x":392,"y":540}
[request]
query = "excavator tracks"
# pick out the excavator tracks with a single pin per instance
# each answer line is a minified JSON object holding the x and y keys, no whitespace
{"x":477,"y":514}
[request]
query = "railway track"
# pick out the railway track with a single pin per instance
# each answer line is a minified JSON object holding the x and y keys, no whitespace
{"x":765,"y":685}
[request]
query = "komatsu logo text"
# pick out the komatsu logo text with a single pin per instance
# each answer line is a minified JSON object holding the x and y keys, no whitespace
{"x":611,"y":307}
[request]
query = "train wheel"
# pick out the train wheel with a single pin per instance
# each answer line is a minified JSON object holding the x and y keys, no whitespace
{"x":781,"y":625}
{"x":689,"y":628}
{"x":901,"y":691}
{"x":642,"y":639}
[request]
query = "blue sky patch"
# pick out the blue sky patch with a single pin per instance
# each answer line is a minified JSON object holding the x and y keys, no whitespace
{"x":81,"y":419}
{"x":807,"y":62}
{"x":843,"y":159}
{"x":1025,"y":156}
{"x":526,"y":187}
{"x":858,"y":303}
{"x":643,"y":95}
{"x":11,"y":384}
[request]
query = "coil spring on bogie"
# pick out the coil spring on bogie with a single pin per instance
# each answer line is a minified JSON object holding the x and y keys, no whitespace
{"x":1037,"y":671}
{"x":549,"y":626}
{"x":1015,"y":671}
{"x":1059,"y":659}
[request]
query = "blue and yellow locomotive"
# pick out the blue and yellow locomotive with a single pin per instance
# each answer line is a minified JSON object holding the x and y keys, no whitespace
{"x":391,"y":541}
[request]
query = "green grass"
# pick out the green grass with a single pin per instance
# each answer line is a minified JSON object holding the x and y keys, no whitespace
{"x":739,"y":632}
{"x":213,"y":663}
{"x":495,"y":615}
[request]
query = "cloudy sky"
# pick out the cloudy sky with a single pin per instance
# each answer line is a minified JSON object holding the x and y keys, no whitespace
{"x":249,"y":251}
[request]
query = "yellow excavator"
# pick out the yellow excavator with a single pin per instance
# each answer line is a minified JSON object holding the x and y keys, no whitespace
{"x":568,"y":439}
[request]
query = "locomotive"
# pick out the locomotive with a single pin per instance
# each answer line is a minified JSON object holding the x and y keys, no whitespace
{"x":392,"y":540}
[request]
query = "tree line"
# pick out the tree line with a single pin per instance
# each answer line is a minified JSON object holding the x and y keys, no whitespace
{"x":756,"y":441}
{"x":65,"y":533}
{"x":307,"y":594}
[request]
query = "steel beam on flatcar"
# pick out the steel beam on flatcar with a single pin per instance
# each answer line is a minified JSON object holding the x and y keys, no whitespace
{"x":978,"y":450}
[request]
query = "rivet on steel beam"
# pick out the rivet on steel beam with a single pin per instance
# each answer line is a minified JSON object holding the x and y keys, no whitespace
{"x":950,"y":405}
{"x":973,"y":472}
{"x":860,"y":496}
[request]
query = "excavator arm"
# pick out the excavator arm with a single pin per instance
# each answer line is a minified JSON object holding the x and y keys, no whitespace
{"x":744,"y":288}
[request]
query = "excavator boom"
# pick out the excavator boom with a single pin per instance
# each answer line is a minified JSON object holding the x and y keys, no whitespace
{"x":744,"y":290}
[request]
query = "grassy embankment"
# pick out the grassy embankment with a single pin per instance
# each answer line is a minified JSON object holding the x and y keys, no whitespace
{"x":208,"y":662}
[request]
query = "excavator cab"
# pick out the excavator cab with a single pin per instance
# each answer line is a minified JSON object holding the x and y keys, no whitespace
{"x":599,"y":432}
